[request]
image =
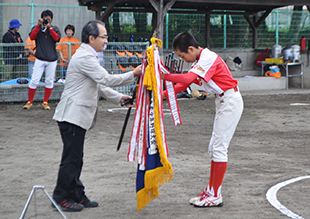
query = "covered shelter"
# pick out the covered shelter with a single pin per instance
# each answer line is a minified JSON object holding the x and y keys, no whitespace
{"x":255,"y":12}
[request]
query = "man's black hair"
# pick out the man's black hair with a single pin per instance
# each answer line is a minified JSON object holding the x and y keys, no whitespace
{"x":70,"y":27}
{"x":183,"y":40}
{"x":91,"y":28}
{"x":47,"y":13}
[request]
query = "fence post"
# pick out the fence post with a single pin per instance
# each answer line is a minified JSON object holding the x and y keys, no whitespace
{"x":277,"y":27}
{"x":167,"y":30}
{"x":32,"y":5}
{"x":225,"y":30}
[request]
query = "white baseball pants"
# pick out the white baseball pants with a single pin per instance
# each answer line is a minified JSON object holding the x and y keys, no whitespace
{"x":43,"y":66}
{"x":229,"y":108}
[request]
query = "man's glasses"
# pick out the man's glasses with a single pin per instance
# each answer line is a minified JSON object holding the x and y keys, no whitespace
{"x":104,"y":37}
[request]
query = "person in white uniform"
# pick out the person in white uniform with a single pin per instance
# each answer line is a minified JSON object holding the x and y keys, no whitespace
{"x":212,"y":73}
{"x":46,"y":36}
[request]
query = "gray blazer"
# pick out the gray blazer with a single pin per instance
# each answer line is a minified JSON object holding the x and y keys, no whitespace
{"x":86,"y":81}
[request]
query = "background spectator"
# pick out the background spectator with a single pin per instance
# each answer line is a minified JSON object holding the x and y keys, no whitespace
{"x":63,"y":48}
{"x":30,"y":46}
{"x":12,"y":55}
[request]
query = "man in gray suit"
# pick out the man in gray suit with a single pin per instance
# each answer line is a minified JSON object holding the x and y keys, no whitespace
{"x":86,"y":81}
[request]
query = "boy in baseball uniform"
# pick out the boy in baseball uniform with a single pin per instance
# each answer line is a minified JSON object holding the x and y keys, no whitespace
{"x":46,"y":36}
{"x":212,"y":73}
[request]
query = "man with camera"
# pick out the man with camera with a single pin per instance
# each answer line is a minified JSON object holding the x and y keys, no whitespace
{"x":46,"y":36}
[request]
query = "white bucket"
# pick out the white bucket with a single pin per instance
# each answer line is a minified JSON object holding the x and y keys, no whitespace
{"x":276,"y":51}
{"x":296,"y":53}
{"x":288,"y":54}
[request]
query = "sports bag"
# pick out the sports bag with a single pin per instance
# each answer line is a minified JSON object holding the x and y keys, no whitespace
{"x":262,"y":56}
{"x":274,"y":71}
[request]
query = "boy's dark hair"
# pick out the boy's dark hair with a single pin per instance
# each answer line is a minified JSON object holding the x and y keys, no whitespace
{"x":183,"y":40}
{"x":70,"y":27}
{"x":91,"y":28}
{"x":47,"y":13}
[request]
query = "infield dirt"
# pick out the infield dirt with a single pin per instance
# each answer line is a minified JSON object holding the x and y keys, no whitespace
{"x":271,"y":145}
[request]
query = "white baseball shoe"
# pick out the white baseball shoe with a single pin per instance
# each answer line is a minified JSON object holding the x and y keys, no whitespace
{"x":209,"y":201}
{"x":203,"y":193}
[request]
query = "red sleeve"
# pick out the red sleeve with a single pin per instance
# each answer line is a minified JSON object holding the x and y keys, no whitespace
{"x":183,"y":80}
{"x":54,"y":35}
{"x":177,"y":88}
{"x":186,"y":79}
{"x":34,"y":33}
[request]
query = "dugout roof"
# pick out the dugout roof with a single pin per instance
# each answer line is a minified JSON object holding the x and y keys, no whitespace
{"x":254,"y":11}
{"x":249,"y":6}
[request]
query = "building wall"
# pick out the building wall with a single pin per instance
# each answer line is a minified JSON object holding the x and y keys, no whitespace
{"x":65,"y":12}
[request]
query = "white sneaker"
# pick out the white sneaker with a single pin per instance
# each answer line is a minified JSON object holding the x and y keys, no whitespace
{"x":203,"y":193}
{"x":209,"y":201}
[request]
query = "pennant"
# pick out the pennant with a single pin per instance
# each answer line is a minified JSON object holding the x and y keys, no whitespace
{"x":172,"y":98}
{"x":148,"y":136}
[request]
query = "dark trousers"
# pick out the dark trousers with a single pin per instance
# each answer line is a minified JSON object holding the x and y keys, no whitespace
{"x":69,"y":185}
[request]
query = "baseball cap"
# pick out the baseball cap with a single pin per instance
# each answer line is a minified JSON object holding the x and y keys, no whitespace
{"x":14,"y":23}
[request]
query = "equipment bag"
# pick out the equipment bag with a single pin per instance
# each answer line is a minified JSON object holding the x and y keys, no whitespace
{"x":262,"y":56}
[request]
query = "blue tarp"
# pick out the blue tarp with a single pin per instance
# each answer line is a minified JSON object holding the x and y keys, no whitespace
{"x":15,"y":81}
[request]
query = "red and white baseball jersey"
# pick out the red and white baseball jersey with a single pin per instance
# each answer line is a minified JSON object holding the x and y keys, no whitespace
{"x":213,"y":72}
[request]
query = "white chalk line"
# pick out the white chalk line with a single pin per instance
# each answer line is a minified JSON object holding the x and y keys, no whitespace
{"x":271,"y":196}
{"x":299,"y":104}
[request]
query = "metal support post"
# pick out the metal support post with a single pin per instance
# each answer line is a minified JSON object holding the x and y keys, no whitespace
{"x":29,"y":200}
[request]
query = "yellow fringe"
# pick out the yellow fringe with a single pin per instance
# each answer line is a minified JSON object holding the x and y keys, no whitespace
{"x":160,"y":175}
{"x":144,"y":197}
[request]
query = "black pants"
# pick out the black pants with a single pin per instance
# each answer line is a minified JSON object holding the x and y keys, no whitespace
{"x":69,"y":185}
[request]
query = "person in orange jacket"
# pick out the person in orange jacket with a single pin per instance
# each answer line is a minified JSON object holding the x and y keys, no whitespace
{"x":30,"y":46}
{"x":63,"y":48}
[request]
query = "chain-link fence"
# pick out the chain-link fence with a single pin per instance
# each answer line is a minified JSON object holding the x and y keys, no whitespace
{"x":28,"y":15}
{"x":284,"y":27}
{"x":118,"y":58}
{"x":233,"y":31}
{"x":16,"y":70}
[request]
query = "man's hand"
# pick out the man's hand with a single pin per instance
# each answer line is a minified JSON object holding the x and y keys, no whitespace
{"x":138,"y":70}
{"x":48,"y":25}
{"x":126,"y":97}
{"x":40,"y":22}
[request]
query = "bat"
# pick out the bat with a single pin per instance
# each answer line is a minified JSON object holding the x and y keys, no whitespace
{"x":111,"y":66}
{"x":126,"y":118}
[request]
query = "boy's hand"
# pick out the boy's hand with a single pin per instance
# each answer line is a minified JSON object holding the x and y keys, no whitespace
{"x":162,"y":76}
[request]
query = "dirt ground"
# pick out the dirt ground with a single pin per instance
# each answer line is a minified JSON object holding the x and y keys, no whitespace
{"x":271,"y":145}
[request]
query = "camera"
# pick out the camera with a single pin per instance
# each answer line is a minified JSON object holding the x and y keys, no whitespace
{"x":45,"y":21}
